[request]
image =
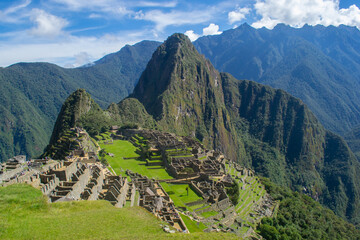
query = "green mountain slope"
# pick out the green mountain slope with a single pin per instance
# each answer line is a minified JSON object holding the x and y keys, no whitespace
{"x":298,"y":151}
{"x":183,"y":93}
{"x":353,"y":139}
{"x":320,"y":65}
{"x":259,"y":126}
{"x":32,"y":94}
{"x":298,"y":216}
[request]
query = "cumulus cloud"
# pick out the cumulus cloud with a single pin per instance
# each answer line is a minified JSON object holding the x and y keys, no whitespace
{"x":193,"y":36}
{"x":81,"y":59}
{"x":47,"y":25}
{"x":238,"y":15}
{"x":212,"y":29}
{"x":296,"y":13}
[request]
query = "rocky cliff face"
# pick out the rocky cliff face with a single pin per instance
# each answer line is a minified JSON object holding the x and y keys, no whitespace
{"x":79,"y":109}
{"x":183,"y":92}
{"x":319,"y":65}
{"x":284,"y":141}
{"x":258,"y":126}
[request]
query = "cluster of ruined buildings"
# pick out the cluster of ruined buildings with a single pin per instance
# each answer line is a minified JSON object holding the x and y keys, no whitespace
{"x":155,"y":199}
{"x":68,"y":180}
{"x":204,"y":170}
{"x":80,"y":176}
{"x":183,"y":157}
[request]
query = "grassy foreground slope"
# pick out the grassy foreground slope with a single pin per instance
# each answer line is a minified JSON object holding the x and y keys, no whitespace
{"x":25,"y":214}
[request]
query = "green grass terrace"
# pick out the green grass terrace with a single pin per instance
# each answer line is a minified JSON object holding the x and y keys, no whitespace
{"x":26,"y":214}
{"x":126,"y":157}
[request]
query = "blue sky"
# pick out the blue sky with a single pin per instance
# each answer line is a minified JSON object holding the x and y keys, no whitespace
{"x":71,"y":33}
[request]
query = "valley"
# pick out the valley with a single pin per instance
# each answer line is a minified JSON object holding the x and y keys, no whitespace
{"x":200,"y":150}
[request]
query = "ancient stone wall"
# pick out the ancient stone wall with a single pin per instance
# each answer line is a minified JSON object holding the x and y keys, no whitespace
{"x":80,"y":185}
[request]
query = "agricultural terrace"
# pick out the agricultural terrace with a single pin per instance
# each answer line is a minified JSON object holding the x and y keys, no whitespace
{"x":124,"y":155}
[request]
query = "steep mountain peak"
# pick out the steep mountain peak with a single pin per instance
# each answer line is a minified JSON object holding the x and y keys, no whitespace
{"x":77,"y":105}
{"x":177,"y":38}
{"x":243,"y":26}
{"x":174,"y":67}
{"x":183,"y":92}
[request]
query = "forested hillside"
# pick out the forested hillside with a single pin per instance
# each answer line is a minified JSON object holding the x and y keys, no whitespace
{"x":32,"y":94}
{"x":320,"y":65}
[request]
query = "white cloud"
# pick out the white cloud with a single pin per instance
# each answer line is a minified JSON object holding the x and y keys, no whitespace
{"x":95,"y":15}
{"x":65,"y":50}
{"x":296,"y":13}
{"x":212,"y":29}
{"x":238,"y":15}
{"x":81,"y":59}
{"x":11,"y":14}
{"x":175,"y":18}
{"x":157,"y":4}
{"x":76,"y":5}
{"x":47,"y":25}
{"x":111,"y":5}
{"x":15,"y":8}
{"x":193,"y":36}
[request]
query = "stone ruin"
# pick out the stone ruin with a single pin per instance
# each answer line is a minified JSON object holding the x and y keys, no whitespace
{"x":212,"y":191}
{"x":155,"y":199}
{"x":115,"y":190}
{"x":69,"y":180}
{"x":183,"y":157}
{"x":13,"y":168}
{"x":82,"y":177}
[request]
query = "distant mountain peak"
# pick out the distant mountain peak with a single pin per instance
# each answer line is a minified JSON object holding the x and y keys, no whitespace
{"x":244,"y":25}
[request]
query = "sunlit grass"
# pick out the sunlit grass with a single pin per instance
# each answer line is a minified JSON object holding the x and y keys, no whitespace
{"x":25,"y":214}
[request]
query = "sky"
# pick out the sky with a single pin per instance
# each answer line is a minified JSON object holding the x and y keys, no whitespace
{"x":71,"y":33}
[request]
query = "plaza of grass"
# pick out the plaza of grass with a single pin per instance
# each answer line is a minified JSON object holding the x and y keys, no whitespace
{"x":126,"y":157}
{"x":26,"y":214}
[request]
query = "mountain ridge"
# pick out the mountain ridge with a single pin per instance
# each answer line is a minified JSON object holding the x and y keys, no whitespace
{"x":264,"y":56}
{"x":42,"y":88}
{"x":259,"y":126}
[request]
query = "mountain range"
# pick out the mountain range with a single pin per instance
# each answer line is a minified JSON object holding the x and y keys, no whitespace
{"x":258,"y":126}
{"x":31,"y":94}
{"x":320,"y":65}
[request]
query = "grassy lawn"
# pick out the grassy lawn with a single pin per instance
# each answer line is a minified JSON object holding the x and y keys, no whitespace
{"x":183,"y":156}
{"x":25,"y":214}
{"x":125,"y":149}
{"x":203,"y":158}
{"x":209,"y":214}
{"x":178,"y":194}
{"x":192,"y":225}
